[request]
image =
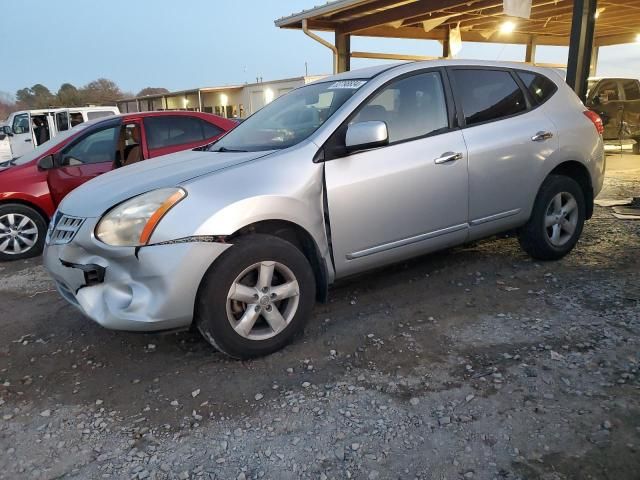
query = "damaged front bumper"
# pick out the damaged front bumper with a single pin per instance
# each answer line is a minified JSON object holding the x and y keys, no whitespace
{"x":123,"y":288}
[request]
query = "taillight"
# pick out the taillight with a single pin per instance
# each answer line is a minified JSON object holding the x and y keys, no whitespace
{"x":595,"y":118}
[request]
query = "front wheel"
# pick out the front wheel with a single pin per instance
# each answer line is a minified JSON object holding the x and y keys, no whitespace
{"x":556,"y":221}
{"x":22,"y":232}
{"x":256,"y":297}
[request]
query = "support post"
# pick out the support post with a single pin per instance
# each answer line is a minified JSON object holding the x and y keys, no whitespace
{"x":581,"y":46}
{"x":594,"y":61}
{"x":530,"y":55}
{"x":137,"y":105}
{"x":166,"y":104}
{"x":199,"y":100}
{"x":446,"y":43}
{"x":343,"y":44}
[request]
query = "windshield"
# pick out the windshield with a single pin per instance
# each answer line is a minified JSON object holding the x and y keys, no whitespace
{"x":289,"y":119}
{"x":60,"y":137}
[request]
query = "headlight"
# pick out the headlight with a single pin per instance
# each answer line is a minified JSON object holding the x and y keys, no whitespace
{"x":131,"y":223}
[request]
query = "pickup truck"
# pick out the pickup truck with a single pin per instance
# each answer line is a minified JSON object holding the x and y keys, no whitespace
{"x":617,"y":101}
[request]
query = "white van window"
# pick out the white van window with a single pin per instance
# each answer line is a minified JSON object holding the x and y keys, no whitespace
{"x":99,"y":114}
{"x":21,"y":123}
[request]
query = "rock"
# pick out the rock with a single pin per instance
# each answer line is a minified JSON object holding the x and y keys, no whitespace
{"x":174,"y":403}
{"x":195,"y":393}
{"x":306,"y":384}
{"x":468,"y":398}
{"x":259,"y":396}
{"x":414,"y":401}
{"x":444,"y":420}
{"x":339,"y":453}
{"x":373,"y":475}
{"x":606,"y":425}
{"x":238,"y":432}
{"x":45,"y":413}
{"x":355,"y":446}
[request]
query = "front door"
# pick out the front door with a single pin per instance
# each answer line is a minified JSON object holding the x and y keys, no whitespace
{"x":22,"y":139}
{"x":607,"y":102}
{"x":409,"y":197}
{"x":89,"y":156}
{"x":507,"y":145}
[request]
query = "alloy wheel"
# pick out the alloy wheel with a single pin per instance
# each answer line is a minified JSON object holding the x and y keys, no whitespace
{"x":18,"y":233}
{"x":561,"y":219}
{"x":263,"y":300}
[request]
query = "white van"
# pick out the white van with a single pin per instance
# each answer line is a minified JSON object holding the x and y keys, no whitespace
{"x":27,"y":129}
{"x":5,"y":145}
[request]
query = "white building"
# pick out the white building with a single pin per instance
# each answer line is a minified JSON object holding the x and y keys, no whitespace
{"x":230,"y":101}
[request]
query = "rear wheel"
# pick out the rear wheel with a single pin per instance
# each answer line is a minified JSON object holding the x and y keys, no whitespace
{"x":22,"y":232}
{"x":256,"y":297}
{"x":556,"y":221}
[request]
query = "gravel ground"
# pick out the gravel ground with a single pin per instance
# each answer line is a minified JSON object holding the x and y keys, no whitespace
{"x":475,"y":363}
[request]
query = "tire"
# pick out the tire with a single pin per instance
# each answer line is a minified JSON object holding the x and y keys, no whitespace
{"x":22,"y":232}
{"x":233,"y":282}
{"x":543,"y":242}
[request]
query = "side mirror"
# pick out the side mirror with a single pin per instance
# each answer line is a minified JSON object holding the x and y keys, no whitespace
{"x":7,"y":130}
{"x":364,"y":135}
{"x":46,"y":163}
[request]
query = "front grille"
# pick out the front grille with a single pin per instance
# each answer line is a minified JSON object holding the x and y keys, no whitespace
{"x":63,"y":228}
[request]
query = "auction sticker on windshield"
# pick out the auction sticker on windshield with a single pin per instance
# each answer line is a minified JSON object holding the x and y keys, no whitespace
{"x":349,"y":84}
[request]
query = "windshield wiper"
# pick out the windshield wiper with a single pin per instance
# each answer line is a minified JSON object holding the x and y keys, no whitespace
{"x":225,"y":149}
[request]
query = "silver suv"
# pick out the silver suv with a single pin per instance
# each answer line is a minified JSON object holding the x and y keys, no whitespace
{"x":338,"y":177}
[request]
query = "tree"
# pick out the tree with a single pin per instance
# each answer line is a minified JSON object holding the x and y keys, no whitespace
{"x":37,"y":96}
{"x":7,"y":105}
{"x":152,"y":91}
{"x":69,"y":96}
{"x":101,"y":92}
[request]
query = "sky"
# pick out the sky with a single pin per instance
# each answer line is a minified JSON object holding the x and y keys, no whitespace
{"x":197,"y":43}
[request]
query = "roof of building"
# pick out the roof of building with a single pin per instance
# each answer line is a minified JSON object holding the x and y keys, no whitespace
{"x":479,"y":20}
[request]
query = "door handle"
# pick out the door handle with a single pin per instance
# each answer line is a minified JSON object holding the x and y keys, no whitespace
{"x":448,"y":157}
{"x":542,"y":136}
{"x":28,"y":140}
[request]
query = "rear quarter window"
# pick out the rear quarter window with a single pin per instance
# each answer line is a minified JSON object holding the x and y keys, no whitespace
{"x":539,"y":86}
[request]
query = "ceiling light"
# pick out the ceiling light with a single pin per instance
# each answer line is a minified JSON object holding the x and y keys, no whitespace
{"x":507,"y":27}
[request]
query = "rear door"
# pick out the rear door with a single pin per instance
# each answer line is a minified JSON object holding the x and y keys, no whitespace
{"x":22,"y":139}
{"x":172,"y":133}
{"x":631,"y":111}
{"x":90,"y":155}
{"x":508,"y":139}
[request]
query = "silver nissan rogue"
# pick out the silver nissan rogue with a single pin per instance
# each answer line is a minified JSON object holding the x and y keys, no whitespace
{"x":337,"y":177}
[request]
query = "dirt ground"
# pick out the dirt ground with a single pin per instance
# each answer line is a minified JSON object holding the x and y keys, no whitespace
{"x":472,"y":363}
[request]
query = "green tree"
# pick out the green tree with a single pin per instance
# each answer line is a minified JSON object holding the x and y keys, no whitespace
{"x":152,"y":91}
{"x":37,"y":96}
{"x":69,"y":96}
{"x":101,"y":92}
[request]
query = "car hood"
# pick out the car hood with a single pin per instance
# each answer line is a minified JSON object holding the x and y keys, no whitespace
{"x":97,"y":196}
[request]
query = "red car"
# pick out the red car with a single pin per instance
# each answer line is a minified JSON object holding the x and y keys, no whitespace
{"x":33,"y":185}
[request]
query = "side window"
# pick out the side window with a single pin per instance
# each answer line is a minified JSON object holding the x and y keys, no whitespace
{"x":631,"y":89}
{"x":540,"y":87}
{"x":170,"y":131}
{"x":210,"y":130}
{"x":76,"y":119}
{"x":96,"y":147}
{"x":411,"y":107}
{"x":21,"y":123}
{"x":608,"y":91}
{"x":62,"y":121}
{"x":488,"y":95}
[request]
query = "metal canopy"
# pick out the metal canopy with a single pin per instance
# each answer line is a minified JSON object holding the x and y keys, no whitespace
{"x":618,"y":21}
